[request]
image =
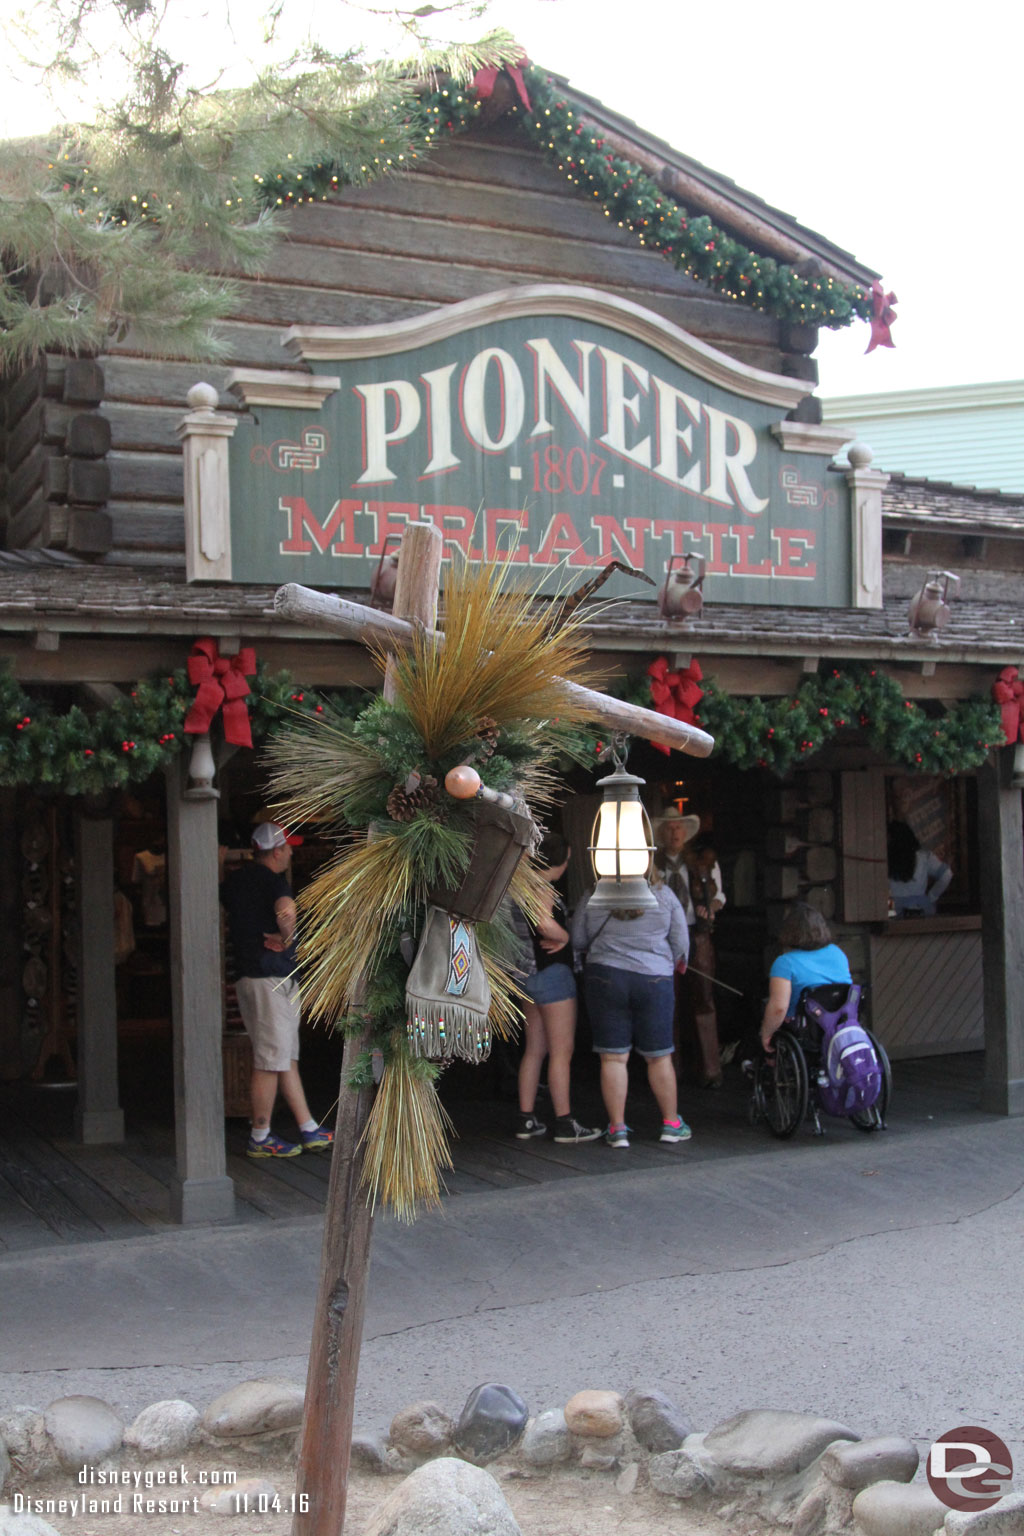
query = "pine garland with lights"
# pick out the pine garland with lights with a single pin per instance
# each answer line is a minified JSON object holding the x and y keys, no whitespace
{"x":777,"y":733}
{"x":79,"y":752}
{"x":696,"y":246}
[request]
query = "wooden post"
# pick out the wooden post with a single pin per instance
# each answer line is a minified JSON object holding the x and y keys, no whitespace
{"x":201,"y":1189}
{"x":1002,"y":937}
{"x":98,"y":1115}
{"x":325,"y":1449}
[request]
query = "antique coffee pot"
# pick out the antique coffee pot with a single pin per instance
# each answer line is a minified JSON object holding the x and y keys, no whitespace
{"x":681,"y":597}
{"x":929,"y":609}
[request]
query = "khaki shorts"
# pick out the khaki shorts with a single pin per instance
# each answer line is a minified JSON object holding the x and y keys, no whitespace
{"x":269,"y":1006}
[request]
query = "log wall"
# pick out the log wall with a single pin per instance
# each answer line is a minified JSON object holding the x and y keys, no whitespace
{"x":488,"y":212}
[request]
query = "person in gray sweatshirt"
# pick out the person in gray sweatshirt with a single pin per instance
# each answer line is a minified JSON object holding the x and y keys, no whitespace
{"x":628,"y":982}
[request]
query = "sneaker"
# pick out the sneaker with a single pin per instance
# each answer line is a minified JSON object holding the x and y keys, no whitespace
{"x":617,"y":1136}
{"x":315,"y":1141}
{"x":271,"y":1146}
{"x":529,"y":1126}
{"x":567,"y":1129}
{"x":678,"y":1132}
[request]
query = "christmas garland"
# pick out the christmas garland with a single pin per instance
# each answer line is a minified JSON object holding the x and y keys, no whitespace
{"x":80,"y":752}
{"x":626,"y":193}
{"x":751,"y":732}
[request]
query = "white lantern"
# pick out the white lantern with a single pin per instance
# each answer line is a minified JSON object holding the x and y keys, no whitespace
{"x":621,"y":845}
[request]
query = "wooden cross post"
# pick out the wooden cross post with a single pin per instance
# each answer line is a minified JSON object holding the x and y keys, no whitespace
{"x":325,"y":1448}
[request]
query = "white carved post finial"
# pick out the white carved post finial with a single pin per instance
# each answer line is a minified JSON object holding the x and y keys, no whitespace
{"x":205,"y":433}
{"x":866,"y":487}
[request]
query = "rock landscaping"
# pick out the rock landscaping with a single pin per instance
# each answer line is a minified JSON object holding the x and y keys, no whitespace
{"x":762,"y":1471}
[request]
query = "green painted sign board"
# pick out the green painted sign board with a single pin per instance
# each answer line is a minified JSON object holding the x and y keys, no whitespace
{"x":569,"y":441}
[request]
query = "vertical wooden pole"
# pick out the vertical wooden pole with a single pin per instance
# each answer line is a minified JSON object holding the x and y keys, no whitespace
{"x":322,"y":1479}
{"x":201,"y":1189}
{"x":1002,"y":936}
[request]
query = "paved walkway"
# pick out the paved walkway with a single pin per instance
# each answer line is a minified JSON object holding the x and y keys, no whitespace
{"x":874,"y":1278}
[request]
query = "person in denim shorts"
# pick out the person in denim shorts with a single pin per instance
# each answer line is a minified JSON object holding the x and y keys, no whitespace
{"x":550,"y":1013}
{"x":628,"y":982}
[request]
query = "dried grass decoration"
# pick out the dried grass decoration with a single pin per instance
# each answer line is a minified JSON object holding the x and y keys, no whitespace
{"x":489,"y":695}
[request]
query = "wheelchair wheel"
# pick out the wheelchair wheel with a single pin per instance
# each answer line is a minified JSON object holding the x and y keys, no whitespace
{"x":873,"y":1119}
{"x":782,"y":1087}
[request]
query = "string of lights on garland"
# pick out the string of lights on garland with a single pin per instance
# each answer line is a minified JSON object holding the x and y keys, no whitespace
{"x":79,"y":752}
{"x":625,"y":192}
{"x":778,"y":733}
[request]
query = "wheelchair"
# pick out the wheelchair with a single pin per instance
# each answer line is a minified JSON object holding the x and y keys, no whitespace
{"x":786,"y":1085}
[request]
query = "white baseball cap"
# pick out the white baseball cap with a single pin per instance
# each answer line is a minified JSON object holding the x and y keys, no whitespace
{"x":270,"y":834}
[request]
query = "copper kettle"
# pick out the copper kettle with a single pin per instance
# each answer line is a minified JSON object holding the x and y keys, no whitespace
{"x":681,"y":597}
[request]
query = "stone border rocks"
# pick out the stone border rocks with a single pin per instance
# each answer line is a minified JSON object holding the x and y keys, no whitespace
{"x":792,"y":1472}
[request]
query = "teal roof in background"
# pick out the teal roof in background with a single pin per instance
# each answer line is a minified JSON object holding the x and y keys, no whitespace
{"x":966,"y":434}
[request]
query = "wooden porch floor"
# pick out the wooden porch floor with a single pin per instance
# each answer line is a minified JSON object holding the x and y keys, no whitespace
{"x":54,"y":1191}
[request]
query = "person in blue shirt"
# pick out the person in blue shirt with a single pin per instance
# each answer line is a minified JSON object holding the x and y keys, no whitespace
{"x":809,"y":959}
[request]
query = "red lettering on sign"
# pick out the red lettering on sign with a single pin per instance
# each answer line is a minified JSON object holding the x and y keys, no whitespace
{"x":302,"y":521}
{"x":560,"y":541}
{"x":609,"y":531}
{"x":743,"y":533}
{"x":461,"y":534}
{"x":794,"y":545}
{"x":391,"y":517}
{"x":497,"y":518}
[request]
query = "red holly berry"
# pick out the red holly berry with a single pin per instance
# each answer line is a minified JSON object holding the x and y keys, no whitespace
{"x":87,"y":752}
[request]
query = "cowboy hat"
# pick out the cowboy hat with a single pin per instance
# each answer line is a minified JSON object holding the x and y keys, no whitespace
{"x":671,"y":816}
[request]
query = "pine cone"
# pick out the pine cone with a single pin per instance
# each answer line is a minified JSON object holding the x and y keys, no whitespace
{"x":487,"y":735}
{"x":404,"y":802}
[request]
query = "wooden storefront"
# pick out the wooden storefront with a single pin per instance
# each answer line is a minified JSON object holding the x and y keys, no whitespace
{"x":94,"y":591}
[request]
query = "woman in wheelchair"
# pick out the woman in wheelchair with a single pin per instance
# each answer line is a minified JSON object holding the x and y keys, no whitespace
{"x":809,"y":959}
{"x":817,"y":1055}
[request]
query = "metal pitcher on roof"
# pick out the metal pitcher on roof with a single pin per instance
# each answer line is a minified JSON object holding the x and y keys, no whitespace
{"x":681,"y":597}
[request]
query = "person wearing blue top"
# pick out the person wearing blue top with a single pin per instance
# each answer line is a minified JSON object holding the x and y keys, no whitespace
{"x":809,"y":959}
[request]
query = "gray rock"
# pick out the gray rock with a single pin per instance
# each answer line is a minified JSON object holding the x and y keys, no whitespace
{"x":424,"y":1429}
{"x":5,"y":1465}
{"x":444,"y":1498}
{"x":766,"y":1442}
{"x":23,"y":1432}
{"x":369,"y":1451}
{"x":655,"y":1420}
{"x":676,"y":1473}
{"x":264,"y":1407}
{"x":163,"y":1429}
{"x":898,"y":1509}
{"x":546,"y":1440}
{"x":23,"y":1525}
{"x":885,"y":1458}
{"x":82,"y":1429}
{"x":491,"y":1422}
{"x":596,"y":1457}
{"x":1004,"y":1519}
{"x":810,"y":1516}
{"x":249,"y":1496}
{"x":626,"y":1481}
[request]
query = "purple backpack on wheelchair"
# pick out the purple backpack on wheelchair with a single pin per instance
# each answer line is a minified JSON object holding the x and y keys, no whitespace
{"x":850,"y":1079}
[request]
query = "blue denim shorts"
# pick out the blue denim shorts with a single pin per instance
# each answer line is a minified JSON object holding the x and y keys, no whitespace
{"x":554,"y":984}
{"x":629,"y":1011}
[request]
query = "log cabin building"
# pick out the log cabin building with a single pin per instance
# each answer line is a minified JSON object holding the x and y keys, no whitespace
{"x":477,"y":342}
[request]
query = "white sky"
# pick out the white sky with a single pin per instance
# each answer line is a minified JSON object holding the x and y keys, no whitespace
{"x":893,"y":131}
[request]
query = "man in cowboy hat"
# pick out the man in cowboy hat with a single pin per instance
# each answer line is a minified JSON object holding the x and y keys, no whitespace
{"x":697,"y":882}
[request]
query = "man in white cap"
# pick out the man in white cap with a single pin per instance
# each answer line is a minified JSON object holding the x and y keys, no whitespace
{"x":261,"y":920}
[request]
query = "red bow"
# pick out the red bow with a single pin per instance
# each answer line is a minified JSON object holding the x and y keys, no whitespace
{"x":1008,"y":693}
{"x":483,"y":80}
{"x":220,"y":680}
{"x":675,"y":694}
{"x":882,"y":317}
